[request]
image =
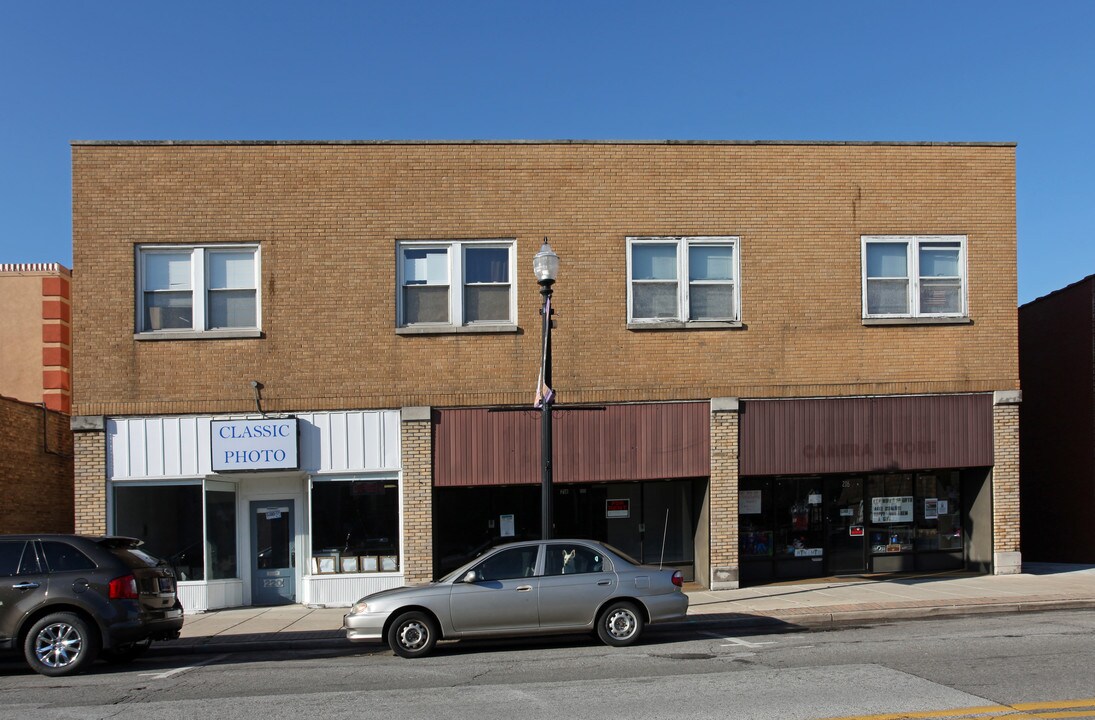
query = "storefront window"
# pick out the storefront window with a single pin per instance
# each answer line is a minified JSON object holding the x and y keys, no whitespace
{"x":169,"y":520}
{"x":220,"y":524}
{"x":755,"y":518}
{"x":800,"y":520}
{"x":355,"y":526}
{"x":892,"y":527}
{"x":938,"y":511}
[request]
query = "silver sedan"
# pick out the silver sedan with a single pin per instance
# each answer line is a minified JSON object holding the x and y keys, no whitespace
{"x":528,"y":588}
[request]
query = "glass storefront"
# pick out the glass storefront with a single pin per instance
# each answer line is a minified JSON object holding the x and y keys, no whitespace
{"x":220,"y":533}
{"x":653,"y":521}
{"x":799,"y":527}
{"x":168,"y":518}
{"x":355,"y":526}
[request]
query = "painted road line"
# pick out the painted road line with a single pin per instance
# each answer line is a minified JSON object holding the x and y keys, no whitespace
{"x":176,"y":671}
{"x":738,"y":641}
{"x":1079,"y":708}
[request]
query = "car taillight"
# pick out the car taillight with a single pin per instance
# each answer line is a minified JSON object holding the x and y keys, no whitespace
{"x":678,"y":579}
{"x":123,"y":588}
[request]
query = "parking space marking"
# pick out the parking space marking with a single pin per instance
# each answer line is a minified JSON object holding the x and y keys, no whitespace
{"x":733,"y":641}
{"x":176,"y":671}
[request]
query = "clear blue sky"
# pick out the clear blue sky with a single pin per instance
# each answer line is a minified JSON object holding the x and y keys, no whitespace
{"x":944,"y":71}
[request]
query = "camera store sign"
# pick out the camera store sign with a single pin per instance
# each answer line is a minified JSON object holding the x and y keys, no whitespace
{"x":266,"y":444}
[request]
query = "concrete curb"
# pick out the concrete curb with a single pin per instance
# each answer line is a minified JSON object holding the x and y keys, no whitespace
{"x":738,"y":622}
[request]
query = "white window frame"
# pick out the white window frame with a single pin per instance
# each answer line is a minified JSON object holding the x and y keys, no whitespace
{"x":683,"y":244}
{"x":455,"y":250}
{"x":199,"y":290}
{"x":912,"y":264}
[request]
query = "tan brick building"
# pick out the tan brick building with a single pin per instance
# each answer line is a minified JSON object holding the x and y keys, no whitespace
{"x":795,"y":358}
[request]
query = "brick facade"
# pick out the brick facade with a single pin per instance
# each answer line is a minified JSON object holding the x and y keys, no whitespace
{"x":36,"y":469}
{"x":417,"y":457}
{"x":328,"y":216}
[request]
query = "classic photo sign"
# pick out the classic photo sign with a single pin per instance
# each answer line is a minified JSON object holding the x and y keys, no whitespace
{"x":264,"y":444}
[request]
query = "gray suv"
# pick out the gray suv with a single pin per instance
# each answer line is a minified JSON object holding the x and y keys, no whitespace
{"x":67,"y":599}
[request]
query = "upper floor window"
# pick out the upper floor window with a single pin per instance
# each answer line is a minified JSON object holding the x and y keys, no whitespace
{"x":914,"y":276}
{"x":198,"y":289}
{"x":462,"y":283}
{"x":682,"y":279}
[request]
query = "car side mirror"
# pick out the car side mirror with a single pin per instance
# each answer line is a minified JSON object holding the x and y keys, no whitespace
{"x":469,"y":577}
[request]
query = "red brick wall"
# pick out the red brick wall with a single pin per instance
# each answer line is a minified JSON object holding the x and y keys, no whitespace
{"x":36,"y":469}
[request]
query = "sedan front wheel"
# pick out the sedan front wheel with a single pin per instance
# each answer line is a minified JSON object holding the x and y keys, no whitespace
{"x":412,"y":635}
{"x":620,"y":624}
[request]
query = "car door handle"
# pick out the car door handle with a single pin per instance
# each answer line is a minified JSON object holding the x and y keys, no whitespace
{"x":604,"y":582}
{"x":24,"y":586}
{"x":524,"y":588}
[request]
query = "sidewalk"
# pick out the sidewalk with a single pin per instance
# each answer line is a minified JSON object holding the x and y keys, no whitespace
{"x":799,"y":604}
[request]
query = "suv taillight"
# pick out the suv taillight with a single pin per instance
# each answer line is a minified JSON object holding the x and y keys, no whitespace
{"x":678,"y":579}
{"x":123,"y":588}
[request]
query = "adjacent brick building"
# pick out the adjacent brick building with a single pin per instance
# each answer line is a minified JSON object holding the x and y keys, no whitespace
{"x":793,"y":359}
{"x":1057,"y":366}
{"x":36,"y":464}
{"x":35,"y":334}
{"x":36,"y":480}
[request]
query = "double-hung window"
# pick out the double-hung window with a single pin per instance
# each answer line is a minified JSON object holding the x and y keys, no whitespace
{"x":197,"y":289}
{"x":462,"y":283}
{"x":682,"y":280}
{"x":920,"y":276}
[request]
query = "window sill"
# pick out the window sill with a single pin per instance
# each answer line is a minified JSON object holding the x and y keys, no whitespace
{"x":198,"y":335}
{"x":678,"y":325}
{"x":456,"y":329}
{"x":918,"y":321}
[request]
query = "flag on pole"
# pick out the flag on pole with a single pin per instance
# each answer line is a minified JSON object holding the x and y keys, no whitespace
{"x":543,"y":392}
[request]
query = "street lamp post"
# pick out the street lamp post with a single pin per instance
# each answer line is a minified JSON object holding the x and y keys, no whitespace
{"x":546,"y":266}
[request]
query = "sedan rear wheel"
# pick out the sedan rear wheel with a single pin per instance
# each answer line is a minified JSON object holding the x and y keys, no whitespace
{"x":412,"y":635}
{"x":60,"y":644}
{"x":620,"y":624}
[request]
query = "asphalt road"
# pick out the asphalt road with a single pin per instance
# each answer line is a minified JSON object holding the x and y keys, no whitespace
{"x":1002,"y":665}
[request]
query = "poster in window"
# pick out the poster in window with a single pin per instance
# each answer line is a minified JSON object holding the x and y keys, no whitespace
{"x":505,"y":525}
{"x":749,"y":502}
{"x":931,"y":508}
{"x":892,"y":509}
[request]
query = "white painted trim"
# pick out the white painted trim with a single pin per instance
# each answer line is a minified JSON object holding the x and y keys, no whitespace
{"x":912,"y":268}
{"x":684,"y":244}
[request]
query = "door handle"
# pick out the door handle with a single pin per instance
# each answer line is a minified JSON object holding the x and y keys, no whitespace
{"x":24,"y":586}
{"x":524,"y":588}
{"x":604,"y":582}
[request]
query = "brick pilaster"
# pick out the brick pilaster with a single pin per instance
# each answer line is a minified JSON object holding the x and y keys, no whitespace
{"x":724,"y":493}
{"x":416,"y":442}
{"x":1006,"y":559}
{"x":90,"y":482}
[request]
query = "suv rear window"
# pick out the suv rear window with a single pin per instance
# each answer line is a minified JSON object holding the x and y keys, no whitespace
{"x":62,"y":557}
{"x":134,"y":558}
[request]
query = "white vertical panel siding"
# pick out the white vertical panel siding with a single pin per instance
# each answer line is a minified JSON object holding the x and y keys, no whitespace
{"x":178,"y":447}
{"x":333,"y":591}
